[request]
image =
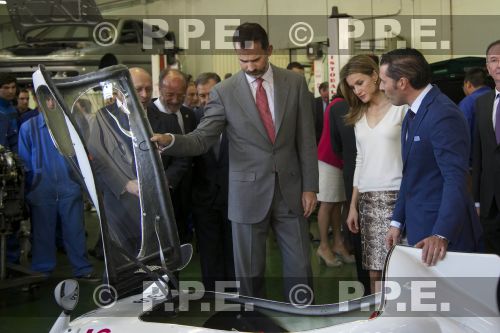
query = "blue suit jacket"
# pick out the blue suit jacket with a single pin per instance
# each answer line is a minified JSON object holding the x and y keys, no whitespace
{"x":433,"y":198}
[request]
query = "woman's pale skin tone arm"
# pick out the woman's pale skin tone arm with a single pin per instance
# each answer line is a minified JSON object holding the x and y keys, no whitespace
{"x":352,"y":217}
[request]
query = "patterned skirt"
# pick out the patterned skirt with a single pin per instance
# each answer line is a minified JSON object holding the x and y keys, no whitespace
{"x":375,"y":212}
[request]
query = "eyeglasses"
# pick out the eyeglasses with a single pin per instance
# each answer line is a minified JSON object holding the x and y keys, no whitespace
{"x":493,"y":61}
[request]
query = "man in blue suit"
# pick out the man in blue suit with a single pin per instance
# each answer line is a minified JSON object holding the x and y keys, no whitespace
{"x":433,"y":204}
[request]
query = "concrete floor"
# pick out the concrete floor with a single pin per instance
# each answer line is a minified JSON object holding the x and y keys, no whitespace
{"x":36,"y":311}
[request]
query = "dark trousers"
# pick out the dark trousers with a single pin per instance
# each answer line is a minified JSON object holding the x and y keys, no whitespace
{"x":215,"y":245}
{"x":363,"y":274}
{"x":182,"y":213}
{"x":491,"y":230}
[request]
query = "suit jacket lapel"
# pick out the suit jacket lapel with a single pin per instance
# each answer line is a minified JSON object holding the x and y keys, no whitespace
{"x":152,"y":111}
{"x":280,"y":96}
{"x":422,"y":110}
{"x":153,"y":116}
{"x":488,"y":126}
{"x":187,"y":120}
{"x":404,"y":131}
{"x":245,"y":99}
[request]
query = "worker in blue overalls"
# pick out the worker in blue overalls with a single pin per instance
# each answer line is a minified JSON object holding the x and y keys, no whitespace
{"x":52,"y":193}
{"x":8,"y":87}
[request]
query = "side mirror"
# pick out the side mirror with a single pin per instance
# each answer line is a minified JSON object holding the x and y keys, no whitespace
{"x":66,"y":294}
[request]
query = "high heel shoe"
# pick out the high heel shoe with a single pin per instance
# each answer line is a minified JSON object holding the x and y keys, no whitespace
{"x":349,"y":259}
{"x":330,"y":260}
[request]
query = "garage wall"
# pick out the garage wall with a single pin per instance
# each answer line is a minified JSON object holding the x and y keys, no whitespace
{"x":465,"y":29}
{"x":455,"y":31}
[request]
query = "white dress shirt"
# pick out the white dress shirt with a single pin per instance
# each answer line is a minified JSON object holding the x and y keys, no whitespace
{"x":178,"y":114}
{"x":495,"y":105}
{"x":268,"y":85}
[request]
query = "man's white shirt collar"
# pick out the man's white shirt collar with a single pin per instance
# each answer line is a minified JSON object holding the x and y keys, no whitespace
{"x":268,"y":87}
{"x":161,"y":107}
{"x":416,"y":103}
{"x":178,"y":114}
{"x":267,"y":77}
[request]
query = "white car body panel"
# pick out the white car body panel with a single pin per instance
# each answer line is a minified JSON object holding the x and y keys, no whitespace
{"x":404,"y":262}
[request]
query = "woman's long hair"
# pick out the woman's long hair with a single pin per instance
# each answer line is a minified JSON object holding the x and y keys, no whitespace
{"x":360,"y":64}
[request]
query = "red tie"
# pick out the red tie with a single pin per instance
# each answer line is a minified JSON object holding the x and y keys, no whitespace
{"x":264,"y":111}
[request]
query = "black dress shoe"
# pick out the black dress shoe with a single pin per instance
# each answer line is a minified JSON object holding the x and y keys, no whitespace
{"x":96,"y":254}
{"x":88,"y":278}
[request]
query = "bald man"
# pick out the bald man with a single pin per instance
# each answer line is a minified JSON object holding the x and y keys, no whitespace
{"x":143,"y":84}
{"x":167,"y":115}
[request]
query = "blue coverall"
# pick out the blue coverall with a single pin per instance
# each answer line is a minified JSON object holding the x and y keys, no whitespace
{"x":51,"y":193}
{"x":9,"y":125}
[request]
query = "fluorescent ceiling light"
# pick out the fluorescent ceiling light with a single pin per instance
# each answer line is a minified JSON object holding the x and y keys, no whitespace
{"x":3,"y":2}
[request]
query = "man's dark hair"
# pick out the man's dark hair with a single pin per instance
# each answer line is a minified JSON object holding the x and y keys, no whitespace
{"x":23,"y":90}
{"x":247,"y":33}
{"x":476,"y":76}
{"x":6,"y":78}
{"x":495,"y":43}
{"x":408,"y":63}
{"x":295,"y":64}
{"x":323,"y":86}
{"x":168,"y":71}
{"x":203,"y":78}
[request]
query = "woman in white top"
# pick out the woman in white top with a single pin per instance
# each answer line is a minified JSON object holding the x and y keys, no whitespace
{"x":378,"y":173}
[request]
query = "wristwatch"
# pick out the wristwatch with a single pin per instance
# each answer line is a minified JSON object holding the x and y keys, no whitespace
{"x":441,"y":237}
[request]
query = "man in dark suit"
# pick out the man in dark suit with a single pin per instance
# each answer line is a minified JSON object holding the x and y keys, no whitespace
{"x":433,"y":203}
{"x":204,"y":84}
{"x":486,"y":154}
{"x":343,"y":142}
{"x":121,"y":194}
{"x":474,"y":86}
{"x":167,"y":115}
{"x":320,"y":104}
{"x":110,"y":145}
{"x":273,"y":165}
{"x":209,"y":204}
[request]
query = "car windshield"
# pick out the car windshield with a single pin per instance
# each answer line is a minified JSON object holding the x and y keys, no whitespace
{"x":97,"y":123}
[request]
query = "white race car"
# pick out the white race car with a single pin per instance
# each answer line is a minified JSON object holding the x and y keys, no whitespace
{"x":98,"y":124}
